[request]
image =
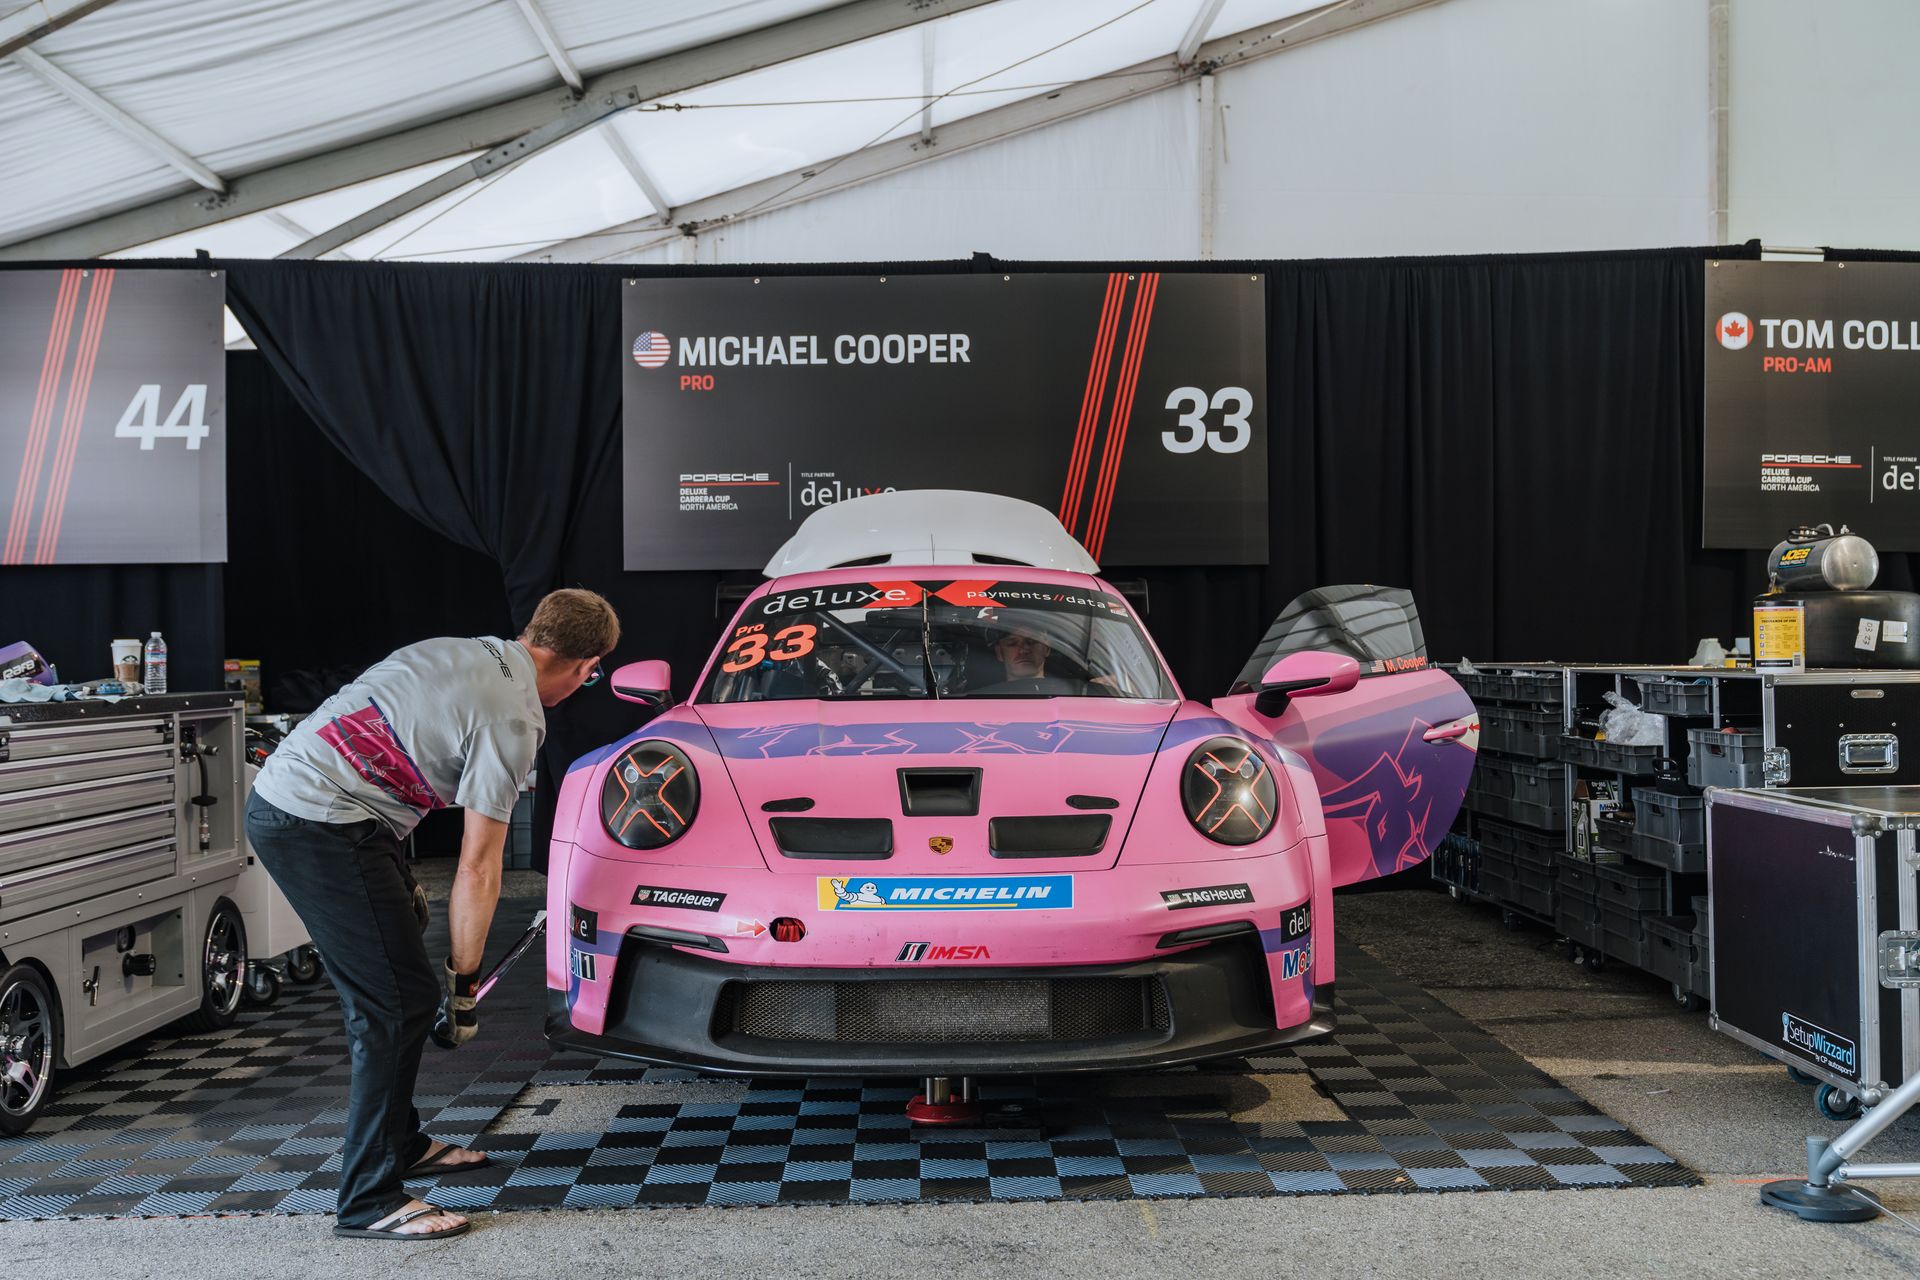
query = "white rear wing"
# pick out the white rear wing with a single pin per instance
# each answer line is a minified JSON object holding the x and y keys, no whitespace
{"x":927,"y":527}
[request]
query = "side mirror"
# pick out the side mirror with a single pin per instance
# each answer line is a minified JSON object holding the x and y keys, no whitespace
{"x":1309,"y":673}
{"x":648,"y":683}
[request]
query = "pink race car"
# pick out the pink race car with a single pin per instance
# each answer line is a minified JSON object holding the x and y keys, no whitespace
{"x":936,"y":808}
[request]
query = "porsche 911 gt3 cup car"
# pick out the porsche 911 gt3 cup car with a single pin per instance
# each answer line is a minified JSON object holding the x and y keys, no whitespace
{"x":936,"y":807}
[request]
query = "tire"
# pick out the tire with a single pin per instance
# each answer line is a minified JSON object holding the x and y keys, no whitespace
{"x":1594,"y":961}
{"x":263,"y":985}
{"x":1510,"y":919}
{"x":223,"y":969}
{"x":1836,"y":1105}
{"x":303,"y":964}
{"x":1798,"y":1076}
{"x":1686,"y":999}
{"x":29,"y":1046}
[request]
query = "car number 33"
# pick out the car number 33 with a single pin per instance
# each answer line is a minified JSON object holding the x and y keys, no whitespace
{"x":1193,"y":432}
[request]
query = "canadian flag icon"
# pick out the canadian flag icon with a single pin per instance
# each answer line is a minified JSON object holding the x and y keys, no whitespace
{"x":1734,"y":330}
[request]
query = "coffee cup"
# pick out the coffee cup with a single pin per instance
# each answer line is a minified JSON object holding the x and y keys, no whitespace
{"x":126,"y":661}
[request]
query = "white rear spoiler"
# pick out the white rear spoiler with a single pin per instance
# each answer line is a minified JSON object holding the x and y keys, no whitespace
{"x":928,"y":527}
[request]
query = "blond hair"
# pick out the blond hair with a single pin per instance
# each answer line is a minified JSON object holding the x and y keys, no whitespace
{"x":574,"y":623}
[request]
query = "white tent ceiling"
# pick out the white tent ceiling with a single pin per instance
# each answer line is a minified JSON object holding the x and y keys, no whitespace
{"x":301,"y":115}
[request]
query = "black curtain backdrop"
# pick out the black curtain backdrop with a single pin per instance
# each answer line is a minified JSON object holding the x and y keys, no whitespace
{"x":1516,"y":439}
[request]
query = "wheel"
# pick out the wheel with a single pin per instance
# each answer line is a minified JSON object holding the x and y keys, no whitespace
{"x":263,"y":985}
{"x":29,"y":1046}
{"x":1594,"y":961}
{"x":1573,"y":952}
{"x":223,"y":968}
{"x":1455,"y":892}
{"x":1798,"y":1076}
{"x":303,"y":964}
{"x":1510,"y":919}
{"x":1685,"y":998}
{"x":1835,"y":1104}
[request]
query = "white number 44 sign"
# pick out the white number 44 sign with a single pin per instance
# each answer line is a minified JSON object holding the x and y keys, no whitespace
{"x":188,"y":421}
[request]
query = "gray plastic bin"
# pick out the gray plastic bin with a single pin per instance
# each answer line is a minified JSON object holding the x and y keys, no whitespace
{"x":1719,"y":759}
{"x":1669,"y":697}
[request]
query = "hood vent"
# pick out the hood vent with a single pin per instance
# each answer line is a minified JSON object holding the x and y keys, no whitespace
{"x":848,"y":838}
{"x":940,"y":793}
{"x":1070,"y":835}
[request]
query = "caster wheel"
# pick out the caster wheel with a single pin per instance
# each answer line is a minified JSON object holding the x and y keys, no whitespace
{"x":1573,"y":953}
{"x":263,"y":985}
{"x":1798,"y":1076}
{"x":1593,"y":960}
{"x":1455,"y":892}
{"x":1835,"y":1105}
{"x":223,"y":958}
{"x":1686,"y":999}
{"x":29,"y":1047}
{"x":303,"y":964}
{"x":1510,"y":920}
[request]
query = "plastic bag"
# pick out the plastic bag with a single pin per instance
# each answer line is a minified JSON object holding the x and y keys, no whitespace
{"x":1467,"y":668}
{"x":1709,"y":654}
{"x":1628,"y":726}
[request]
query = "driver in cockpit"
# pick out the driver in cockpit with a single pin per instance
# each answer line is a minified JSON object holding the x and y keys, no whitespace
{"x":1022,"y":651}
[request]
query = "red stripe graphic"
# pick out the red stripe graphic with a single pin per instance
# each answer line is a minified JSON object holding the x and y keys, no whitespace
{"x":62,"y":474}
{"x":51,"y":366}
{"x":1090,"y":399}
{"x":1122,"y":412}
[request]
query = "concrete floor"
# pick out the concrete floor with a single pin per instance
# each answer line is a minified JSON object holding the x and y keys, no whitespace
{"x":1616,"y":1037}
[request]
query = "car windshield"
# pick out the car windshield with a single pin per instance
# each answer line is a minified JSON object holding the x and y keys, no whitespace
{"x":936,"y":639}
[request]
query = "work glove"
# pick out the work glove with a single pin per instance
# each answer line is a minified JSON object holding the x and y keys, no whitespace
{"x":457,"y":1021}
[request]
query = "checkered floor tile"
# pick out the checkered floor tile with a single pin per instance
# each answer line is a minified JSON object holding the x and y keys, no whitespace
{"x":249,"y":1122}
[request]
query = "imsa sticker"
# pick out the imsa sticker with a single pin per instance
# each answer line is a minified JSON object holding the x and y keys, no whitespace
{"x":946,"y":893}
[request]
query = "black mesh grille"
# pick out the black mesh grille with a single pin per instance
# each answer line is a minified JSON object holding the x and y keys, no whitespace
{"x":943,"y":1011}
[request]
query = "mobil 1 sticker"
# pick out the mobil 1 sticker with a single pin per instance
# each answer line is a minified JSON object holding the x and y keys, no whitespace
{"x":648,"y":895}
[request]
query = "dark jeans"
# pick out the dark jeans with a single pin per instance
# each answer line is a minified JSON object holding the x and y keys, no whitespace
{"x":349,"y":886}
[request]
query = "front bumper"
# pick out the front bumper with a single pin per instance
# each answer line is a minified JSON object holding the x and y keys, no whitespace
{"x":670,"y":1006}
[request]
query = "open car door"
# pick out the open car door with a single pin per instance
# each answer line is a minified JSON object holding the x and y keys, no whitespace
{"x":1391,"y":751}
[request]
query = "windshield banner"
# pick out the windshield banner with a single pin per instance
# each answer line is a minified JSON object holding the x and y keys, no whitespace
{"x":1133,"y":406}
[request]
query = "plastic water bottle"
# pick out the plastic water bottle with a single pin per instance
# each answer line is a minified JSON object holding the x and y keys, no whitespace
{"x":156,"y":665}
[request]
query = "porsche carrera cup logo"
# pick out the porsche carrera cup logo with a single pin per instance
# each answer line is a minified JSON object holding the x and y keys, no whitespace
{"x":1734,"y":330}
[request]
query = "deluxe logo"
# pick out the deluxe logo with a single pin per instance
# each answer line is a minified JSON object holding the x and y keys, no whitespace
{"x":1211,"y":896}
{"x":1734,"y":330}
{"x":1836,"y":1051}
{"x":1297,"y":923}
{"x":915,"y":952}
{"x":648,"y":895}
{"x":584,"y":924}
{"x":815,"y":494}
{"x":946,"y":893}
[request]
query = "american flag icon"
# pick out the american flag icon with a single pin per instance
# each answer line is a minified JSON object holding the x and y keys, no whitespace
{"x":651,"y":349}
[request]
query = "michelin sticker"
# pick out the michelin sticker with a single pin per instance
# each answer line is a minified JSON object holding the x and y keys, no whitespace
{"x":946,"y":893}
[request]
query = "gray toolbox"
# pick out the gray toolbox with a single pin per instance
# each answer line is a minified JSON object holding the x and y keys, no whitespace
{"x":121,"y":852}
{"x":1814,"y":905}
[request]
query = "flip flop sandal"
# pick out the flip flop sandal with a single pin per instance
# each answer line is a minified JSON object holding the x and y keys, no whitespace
{"x":392,"y":1230}
{"x":431,"y":1165}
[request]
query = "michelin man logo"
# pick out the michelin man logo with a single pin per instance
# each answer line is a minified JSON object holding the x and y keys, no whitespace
{"x":867,"y":895}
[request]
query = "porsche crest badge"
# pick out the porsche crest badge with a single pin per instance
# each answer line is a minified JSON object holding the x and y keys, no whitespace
{"x":940,"y":844}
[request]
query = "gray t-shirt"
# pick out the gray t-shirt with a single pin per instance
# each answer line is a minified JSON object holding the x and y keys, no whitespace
{"x":439,"y":723}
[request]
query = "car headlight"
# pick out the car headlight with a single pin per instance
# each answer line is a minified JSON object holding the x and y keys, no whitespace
{"x":650,"y":795}
{"x":1228,"y":792}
